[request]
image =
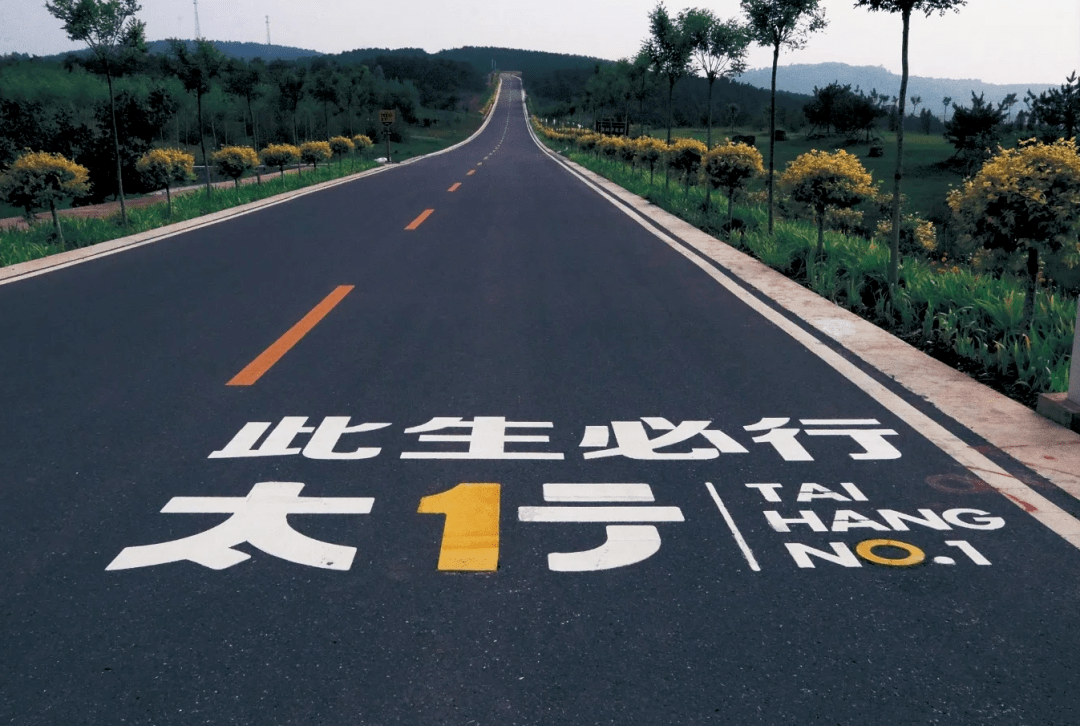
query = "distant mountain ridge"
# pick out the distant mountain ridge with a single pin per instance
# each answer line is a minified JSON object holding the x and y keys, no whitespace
{"x":802,"y":78}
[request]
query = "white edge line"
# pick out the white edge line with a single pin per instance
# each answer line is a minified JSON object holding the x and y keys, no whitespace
{"x":1042,"y":509}
{"x":32,"y":268}
{"x":734,"y":530}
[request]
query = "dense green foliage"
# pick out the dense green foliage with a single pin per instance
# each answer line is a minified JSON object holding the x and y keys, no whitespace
{"x":62,"y":106}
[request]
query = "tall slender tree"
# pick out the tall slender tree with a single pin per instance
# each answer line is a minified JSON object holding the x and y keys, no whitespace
{"x":117,"y":39}
{"x":244,"y":81}
{"x":780,"y":24}
{"x":719,"y":50}
{"x":905,"y":8}
{"x":196,"y":70}
{"x":670,"y":51}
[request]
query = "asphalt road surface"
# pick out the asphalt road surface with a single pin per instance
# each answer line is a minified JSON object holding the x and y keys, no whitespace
{"x":593,"y":487}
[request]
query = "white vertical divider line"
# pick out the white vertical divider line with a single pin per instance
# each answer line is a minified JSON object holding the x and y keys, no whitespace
{"x":747,"y":552}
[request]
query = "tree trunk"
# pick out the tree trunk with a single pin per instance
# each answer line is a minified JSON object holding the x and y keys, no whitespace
{"x":60,"y":234}
{"x":730,"y":209}
{"x":894,"y":241}
{"x":168,"y":198}
{"x":202,"y":142}
{"x":772,"y":131}
{"x":116,"y":150}
{"x":1033,"y":287}
{"x":708,"y":132}
{"x":254,"y":126}
{"x":670,"y":97}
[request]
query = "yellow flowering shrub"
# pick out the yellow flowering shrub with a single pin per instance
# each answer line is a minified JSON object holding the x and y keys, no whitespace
{"x":362,"y":143}
{"x":684,"y":155}
{"x":341,"y":145}
{"x":1024,"y":200}
{"x":1022,"y":196}
{"x":729,"y":167}
{"x":159,"y":168}
{"x":41,"y":179}
{"x":916,"y":234}
{"x":822,"y":180}
{"x":280,"y":155}
{"x":610,"y":146}
{"x":312,"y":152}
{"x":649,"y":150}
{"x":233,"y":161}
{"x":588,"y":141}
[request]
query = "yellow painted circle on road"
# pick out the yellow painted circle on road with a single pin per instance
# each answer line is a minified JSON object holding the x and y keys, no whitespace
{"x":865,"y":549}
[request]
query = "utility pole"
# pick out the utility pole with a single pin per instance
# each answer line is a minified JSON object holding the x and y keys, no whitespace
{"x":268,"y":30}
{"x":198,"y":33}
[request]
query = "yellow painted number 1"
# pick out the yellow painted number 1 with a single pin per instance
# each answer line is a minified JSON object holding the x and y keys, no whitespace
{"x":470,"y":540}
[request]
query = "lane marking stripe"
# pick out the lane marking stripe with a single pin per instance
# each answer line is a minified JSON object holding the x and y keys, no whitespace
{"x":470,"y":172}
{"x":256,"y":368}
{"x":420,"y":220}
{"x":454,"y":188}
{"x":734,"y":529}
{"x":1042,"y":509}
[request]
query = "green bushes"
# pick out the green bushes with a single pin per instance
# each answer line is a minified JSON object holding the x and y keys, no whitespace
{"x":963,"y":315}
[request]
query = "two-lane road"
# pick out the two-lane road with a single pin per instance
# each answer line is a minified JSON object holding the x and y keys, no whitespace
{"x":464,"y":443}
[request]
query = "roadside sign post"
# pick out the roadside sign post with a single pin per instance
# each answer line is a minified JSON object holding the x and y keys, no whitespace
{"x":387,"y":119}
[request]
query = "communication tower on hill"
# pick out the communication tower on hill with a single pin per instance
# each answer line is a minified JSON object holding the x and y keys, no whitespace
{"x":198,"y":33}
{"x":268,"y":30}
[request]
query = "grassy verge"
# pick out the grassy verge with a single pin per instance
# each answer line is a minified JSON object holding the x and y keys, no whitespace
{"x":968,"y":320}
{"x":38,"y":241}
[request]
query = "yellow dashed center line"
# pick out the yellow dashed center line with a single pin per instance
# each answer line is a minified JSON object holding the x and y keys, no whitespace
{"x":454,"y":188}
{"x":470,"y":172}
{"x":420,"y":220}
{"x":256,"y":368}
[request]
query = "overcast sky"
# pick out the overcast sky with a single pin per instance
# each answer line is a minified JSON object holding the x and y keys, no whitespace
{"x":998,"y":41}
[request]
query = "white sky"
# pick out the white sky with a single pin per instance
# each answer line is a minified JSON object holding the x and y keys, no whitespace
{"x":998,"y":41}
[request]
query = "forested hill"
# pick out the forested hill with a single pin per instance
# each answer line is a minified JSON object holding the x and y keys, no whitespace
{"x":230,"y":48}
{"x":802,"y":78}
{"x":245,"y":51}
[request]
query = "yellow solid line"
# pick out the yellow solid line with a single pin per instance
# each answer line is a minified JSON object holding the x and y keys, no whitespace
{"x":455,"y":187}
{"x":256,"y":368}
{"x":420,"y":220}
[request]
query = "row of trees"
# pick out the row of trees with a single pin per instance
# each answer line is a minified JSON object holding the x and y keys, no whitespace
{"x":778,"y":25}
{"x":42,"y":179}
{"x":194,"y":96}
{"x":1023,"y":201}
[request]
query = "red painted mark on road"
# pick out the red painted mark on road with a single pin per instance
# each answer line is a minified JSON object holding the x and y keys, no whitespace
{"x":1027,"y":507}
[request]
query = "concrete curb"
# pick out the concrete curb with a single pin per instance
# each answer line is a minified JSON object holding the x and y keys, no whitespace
{"x":33,"y":268}
{"x":1037,"y":443}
